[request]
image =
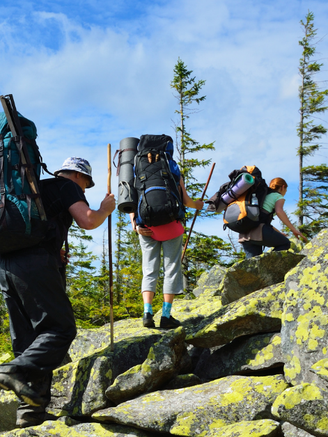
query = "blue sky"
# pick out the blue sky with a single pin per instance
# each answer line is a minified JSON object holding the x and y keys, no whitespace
{"x":93,"y":72}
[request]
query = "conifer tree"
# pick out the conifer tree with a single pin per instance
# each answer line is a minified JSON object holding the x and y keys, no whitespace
{"x":121,"y":229}
{"x":188,"y":95}
{"x":313,"y":201}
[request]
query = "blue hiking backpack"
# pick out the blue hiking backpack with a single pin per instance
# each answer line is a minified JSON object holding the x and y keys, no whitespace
{"x":157,"y":178}
{"x":23,"y":222}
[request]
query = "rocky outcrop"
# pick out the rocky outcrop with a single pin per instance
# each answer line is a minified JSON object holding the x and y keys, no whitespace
{"x":250,"y":359}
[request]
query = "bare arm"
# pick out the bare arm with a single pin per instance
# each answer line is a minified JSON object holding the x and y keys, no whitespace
{"x":283,"y":217}
{"x":88,"y":218}
{"x":187,"y":201}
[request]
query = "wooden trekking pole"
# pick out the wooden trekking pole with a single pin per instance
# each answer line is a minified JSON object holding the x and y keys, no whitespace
{"x":196,"y":214}
{"x":110,"y":258}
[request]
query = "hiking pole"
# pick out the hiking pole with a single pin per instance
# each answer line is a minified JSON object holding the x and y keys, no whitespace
{"x":196,"y":214}
{"x":110,"y":261}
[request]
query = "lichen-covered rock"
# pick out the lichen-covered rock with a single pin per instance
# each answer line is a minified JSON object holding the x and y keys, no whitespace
{"x":254,"y":428}
{"x":8,"y":406}
{"x":252,"y":274}
{"x":258,"y":312}
{"x":209,"y":282}
{"x":66,"y":427}
{"x":296,"y":244}
{"x":195,"y":410}
{"x":241,"y":356}
{"x":87,"y":341}
{"x":4,"y":358}
{"x":182,"y":381}
{"x":321,"y":369}
{"x":193,"y":312}
{"x":305,"y":406}
{"x":79,"y":387}
{"x":305,"y":318}
{"x":162,"y":363}
{"x":289,"y":430}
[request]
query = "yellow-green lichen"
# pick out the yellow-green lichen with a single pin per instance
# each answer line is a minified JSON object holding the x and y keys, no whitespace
{"x":254,"y":428}
{"x":294,"y":396}
{"x":293,"y":369}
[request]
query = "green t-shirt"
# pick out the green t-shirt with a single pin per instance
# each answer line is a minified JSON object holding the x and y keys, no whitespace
{"x":270,"y":201}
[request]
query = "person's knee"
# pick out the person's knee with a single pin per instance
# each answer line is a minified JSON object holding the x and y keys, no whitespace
{"x":72,"y":333}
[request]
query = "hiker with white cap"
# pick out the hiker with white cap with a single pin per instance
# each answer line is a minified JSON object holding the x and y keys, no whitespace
{"x":42,"y":323}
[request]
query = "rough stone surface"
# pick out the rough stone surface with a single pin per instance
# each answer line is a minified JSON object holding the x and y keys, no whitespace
{"x":268,"y":348}
{"x":79,"y":387}
{"x":209,"y":282}
{"x":65,"y":427}
{"x":253,"y":274}
{"x":258,"y":312}
{"x":241,"y":356}
{"x":305,"y":406}
{"x":305,"y":318}
{"x":162,"y":363}
{"x":8,"y":406}
{"x":181,"y":412}
{"x":254,"y":428}
{"x":290,"y":430}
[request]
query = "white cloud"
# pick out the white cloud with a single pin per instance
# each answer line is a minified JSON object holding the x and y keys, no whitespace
{"x":97,"y":72}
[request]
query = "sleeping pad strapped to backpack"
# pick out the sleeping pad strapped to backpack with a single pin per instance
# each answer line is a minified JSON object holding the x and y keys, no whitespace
{"x":22,"y":219}
{"x":157,"y":179}
{"x":246,"y":212}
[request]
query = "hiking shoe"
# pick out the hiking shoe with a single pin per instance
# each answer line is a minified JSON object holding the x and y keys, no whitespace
{"x":148,"y":321}
{"x":16,"y":382}
{"x":30,"y":420}
{"x":170,"y":323}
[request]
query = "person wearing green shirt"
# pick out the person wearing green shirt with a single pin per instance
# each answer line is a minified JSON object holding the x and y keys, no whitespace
{"x":265,"y":234}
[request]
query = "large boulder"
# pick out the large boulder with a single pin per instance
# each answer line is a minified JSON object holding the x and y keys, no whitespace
{"x":305,"y":406}
{"x":196,"y":410}
{"x":257,"y":365}
{"x":79,"y":387}
{"x":209,"y":282}
{"x":245,"y":355}
{"x":162,"y":363}
{"x":253,"y":274}
{"x":305,"y":318}
{"x":8,"y":406}
{"x":258,"y":312}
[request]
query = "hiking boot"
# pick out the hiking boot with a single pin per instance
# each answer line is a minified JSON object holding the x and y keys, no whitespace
{"x":170,"y":323}
{"x":148,"y":321}
{"x":12,"y":379}
{"x":32,"y":419}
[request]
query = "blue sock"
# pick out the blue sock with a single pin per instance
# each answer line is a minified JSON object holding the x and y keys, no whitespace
{"x":148,"y":308}
{"x":166,"y":312}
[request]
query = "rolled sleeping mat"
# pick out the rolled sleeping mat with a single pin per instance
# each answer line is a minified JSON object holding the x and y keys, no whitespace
{"x":127,"y":200}
{"x":244,"y":182}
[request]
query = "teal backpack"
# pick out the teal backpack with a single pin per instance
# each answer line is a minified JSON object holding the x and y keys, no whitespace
{"x":23,"y":222}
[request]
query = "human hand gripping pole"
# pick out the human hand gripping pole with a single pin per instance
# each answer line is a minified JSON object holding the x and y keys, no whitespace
{"x":110,"y":260}
{"x":195,"y":216}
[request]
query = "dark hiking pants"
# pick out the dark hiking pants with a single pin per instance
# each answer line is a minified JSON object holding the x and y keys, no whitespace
{"x":42,"y":324}
{"x":270,"y":238}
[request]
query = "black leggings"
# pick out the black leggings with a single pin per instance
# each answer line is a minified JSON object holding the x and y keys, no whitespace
{"x":270,"y":238}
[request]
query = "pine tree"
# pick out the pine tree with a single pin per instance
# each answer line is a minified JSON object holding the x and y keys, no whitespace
{"x":188,"y":94}
{"x":313,"y":201}
{"x":121,"y":229}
